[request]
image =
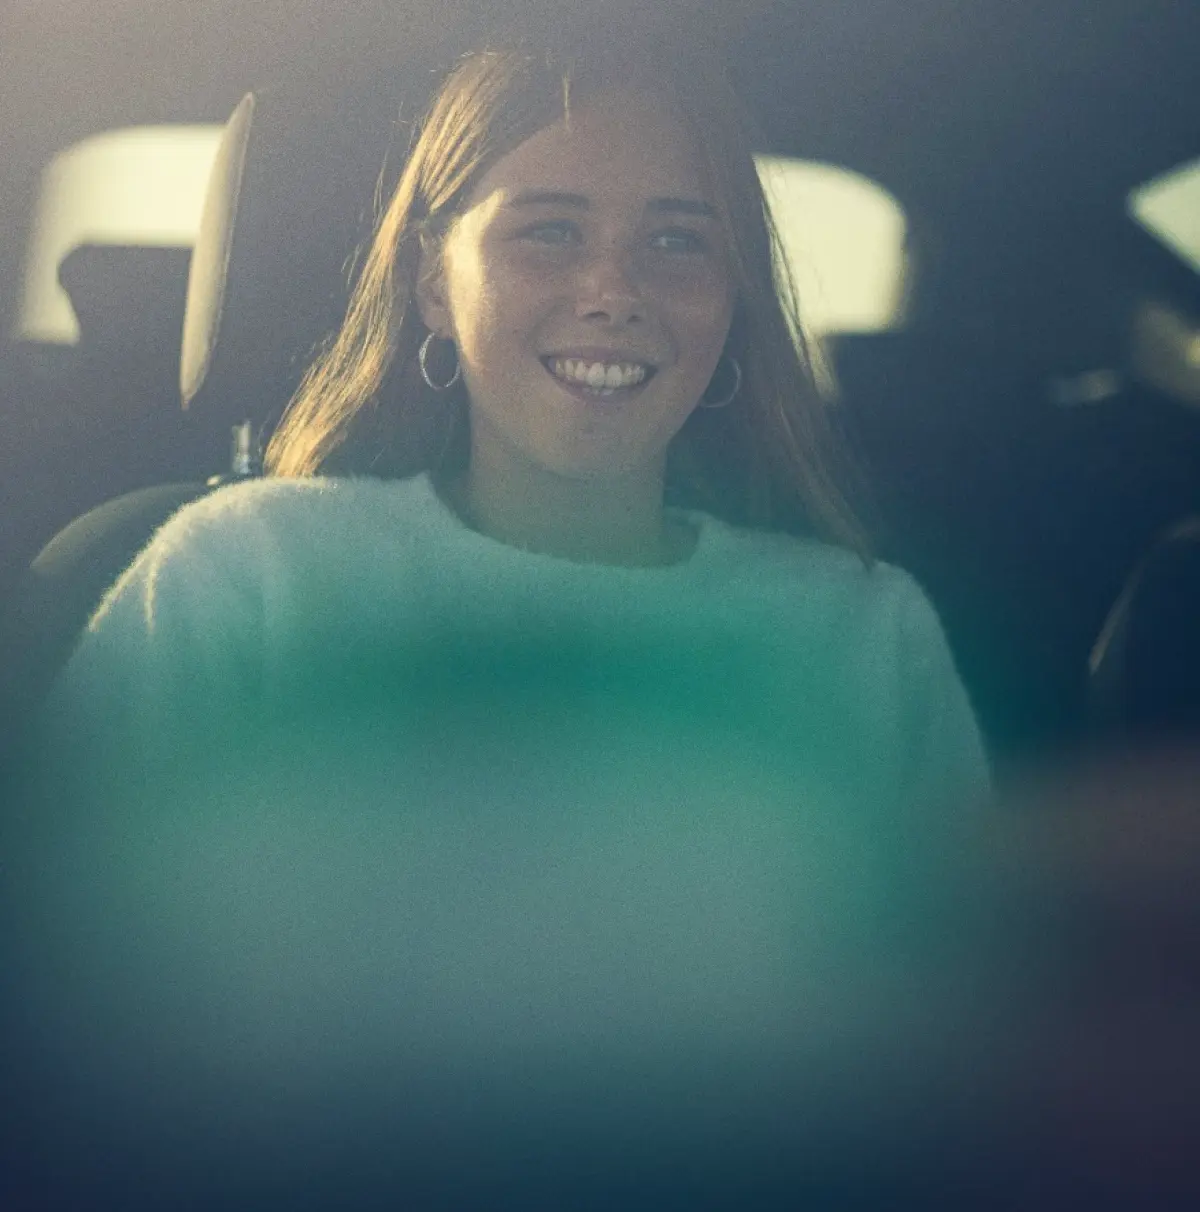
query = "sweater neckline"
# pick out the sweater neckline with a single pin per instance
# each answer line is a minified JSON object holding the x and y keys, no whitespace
{"x":468,"y":537}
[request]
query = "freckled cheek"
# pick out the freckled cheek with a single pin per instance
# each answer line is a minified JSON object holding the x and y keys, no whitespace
{"x":699,"y":296}
{"x":508,"y":306}
{"x":702,"y":330}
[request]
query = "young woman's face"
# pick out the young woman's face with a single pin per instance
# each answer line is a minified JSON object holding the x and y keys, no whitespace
{"x":588,"y":291}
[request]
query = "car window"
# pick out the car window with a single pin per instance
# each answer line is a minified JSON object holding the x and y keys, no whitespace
{"x":844,"y":238}
{"x":141,"y":185}
{"x":843,"y":234}
{"x":1169,"y":208}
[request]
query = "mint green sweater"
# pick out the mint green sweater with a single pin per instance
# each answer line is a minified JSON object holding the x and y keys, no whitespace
{"x":295,"y":595}
{"x":349,"y":801}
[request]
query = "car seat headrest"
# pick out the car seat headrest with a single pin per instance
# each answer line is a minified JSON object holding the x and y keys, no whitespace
{"x":127,"y":298}
{"x":210,"y":256}
{"x":290,"y":200}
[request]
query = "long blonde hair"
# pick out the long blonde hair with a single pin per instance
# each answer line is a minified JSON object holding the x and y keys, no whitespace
{"x":768,"y":457}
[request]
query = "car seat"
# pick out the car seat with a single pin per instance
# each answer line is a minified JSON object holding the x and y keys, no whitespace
{"x":289,"y":200}
{"x":1145,"y":667}
{"x":106,"y":419}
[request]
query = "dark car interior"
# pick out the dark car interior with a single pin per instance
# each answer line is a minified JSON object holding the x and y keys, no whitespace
{"x":1029,"y":426}
{"x":1020,"y":464}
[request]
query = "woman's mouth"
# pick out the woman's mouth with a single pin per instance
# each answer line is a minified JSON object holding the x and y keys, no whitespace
{"x":599,"y":380}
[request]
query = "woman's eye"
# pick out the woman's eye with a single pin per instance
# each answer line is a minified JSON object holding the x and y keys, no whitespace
{"x":554,"y":234}
{"x":678,"y":240}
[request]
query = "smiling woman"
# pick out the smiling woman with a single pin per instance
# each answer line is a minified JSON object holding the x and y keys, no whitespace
{"x":587,"y":289}
{"x":562,"y":725}
{"x":771,"y":453}
{"x":763,"y":456}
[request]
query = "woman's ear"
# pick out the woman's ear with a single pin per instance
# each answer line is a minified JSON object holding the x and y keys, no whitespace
{"x":431,"y":289}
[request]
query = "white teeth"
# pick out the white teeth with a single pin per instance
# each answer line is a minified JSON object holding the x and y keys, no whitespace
{"x":599,"y":376}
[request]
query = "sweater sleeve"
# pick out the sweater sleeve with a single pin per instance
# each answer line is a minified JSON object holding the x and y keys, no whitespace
{"x":947,"y":759}
{"x":172,"y":653}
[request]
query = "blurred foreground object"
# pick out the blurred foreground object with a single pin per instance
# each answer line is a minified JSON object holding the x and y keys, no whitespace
{"x":1112,"y":1075}
{"x":532,"y":947}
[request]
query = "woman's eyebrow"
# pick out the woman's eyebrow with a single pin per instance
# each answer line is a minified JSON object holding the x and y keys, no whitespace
{"x":549,"y":198}
{"x":678,"y":206}
{"x":684,"y":206}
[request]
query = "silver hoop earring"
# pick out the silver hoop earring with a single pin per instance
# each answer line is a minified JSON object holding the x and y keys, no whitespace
{"x":737,"y":385}
{"x":423,"y":362}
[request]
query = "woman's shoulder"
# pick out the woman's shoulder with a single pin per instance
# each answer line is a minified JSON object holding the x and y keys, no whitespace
{"x":238,"y":537}
{"x":275,"y":504}
{"x":829,"y":593}
{"x":868,"y":634}
{"x":787,"y":562}
{"x":253,"y":517}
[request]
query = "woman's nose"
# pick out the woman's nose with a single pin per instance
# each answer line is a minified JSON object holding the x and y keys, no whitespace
{"x":608,"y":289}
